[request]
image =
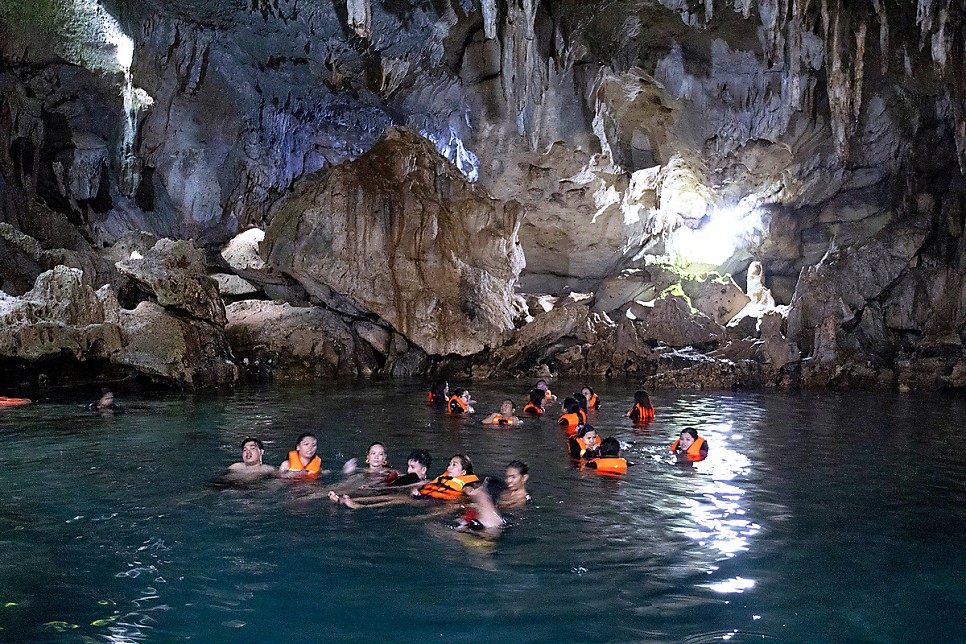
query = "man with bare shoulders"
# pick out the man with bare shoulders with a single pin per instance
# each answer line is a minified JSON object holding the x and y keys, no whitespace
{"x":251,"y":466}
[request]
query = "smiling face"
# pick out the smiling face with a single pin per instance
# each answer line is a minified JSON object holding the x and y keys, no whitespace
{"x":514,"y":480}
{"x":306,"y":448}
{"x":376,"y":456}
{"x":686,"y":441}
{"x":455,"y":467}
{"x":252,"y":454}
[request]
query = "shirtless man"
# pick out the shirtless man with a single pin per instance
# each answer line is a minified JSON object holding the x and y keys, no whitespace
{"x":251,"y":465}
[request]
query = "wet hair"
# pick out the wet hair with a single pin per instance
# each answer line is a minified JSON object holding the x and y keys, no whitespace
{"x":537,"y":397}
{"x":512,"y":404}
{"x":581,"y":400}
{"x":304,"y":436}
{"x":641,"y":398}
{"x":587,"y":388}
{"x":438,"y":388}
{"x":458,"y":392}
{"x":494,"y":487}
{"x":537,"y":386}
{"x":570,"y":405}
{"x":690,"y":430}
{"x":465,"y":462}
{"x":584,"y":430}
{"x":253,"y":440}
{"x":421,"y":456}
{"x":610,"y":446}
{"x":519,"y":466}
{"x":371,"y":445}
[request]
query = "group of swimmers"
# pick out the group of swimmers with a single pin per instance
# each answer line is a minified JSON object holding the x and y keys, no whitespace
{"x":378,"y":484}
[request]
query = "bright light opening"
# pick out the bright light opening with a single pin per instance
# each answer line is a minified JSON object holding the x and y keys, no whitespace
{"x":714,"y":242}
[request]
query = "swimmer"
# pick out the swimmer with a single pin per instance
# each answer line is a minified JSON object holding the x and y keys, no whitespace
{"x":585,"y":444}
{"x":515,"y":495}
{"x":609,"y":461}
{"x":438,"y":393}
{"x":573,"y":417}
{"x":449,"y":485}
{"x":251,"y":466}
{"x":303,"y":462}
{"x":593,"y":400}
{"x":542,"y":386}
{"x":483,"y":517}
{"x":535,"y":403}
{"x":376,"y":461}
{"x":506,"y":415}
{"x":459,"y":403}
{"x":690,"y":447}
{"x":643,"y":410}
{"x":417,"y":468}
{"x":104,"y":403}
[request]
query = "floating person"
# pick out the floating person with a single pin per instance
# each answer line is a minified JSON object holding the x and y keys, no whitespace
{"x":438,"y":393}
{"x":593,"y":400}
{"x":483,"y":518}
{"x":376,"y":462}
{"x":303,"y":462}
{"x":517,"y":475}
{"x":449,"y":486}
{"x":547,"y":394}
{"x":506,"y":415}
{"x":104,"y":403}
{"x":585,"y":444}
{"x":459,"y":403}
{"x":643,"y":410}
{"x":535,"y":403}
{"x":573,"y":417}
{"x":609,"y":461}
{"x":417,"y":467}
{"x":690,"y":447}
{"x":251,"y":466}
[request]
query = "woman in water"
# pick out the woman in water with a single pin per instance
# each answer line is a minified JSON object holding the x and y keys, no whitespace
{"x":417,"y":467}
{"x":449,"y":485}
{"x":643,"y":410}
{"x":459,"y":403}
{"x":506,"y":415}
{"x":585,"y":444}
{"x":303,"y":462}
{"x":573,"y":416}
{"x":689,"y":447}
{"x":438,"y":393}
{"x":593,"y":400}
{"x":535,"y":403}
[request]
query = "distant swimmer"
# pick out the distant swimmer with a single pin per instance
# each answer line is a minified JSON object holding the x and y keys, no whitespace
{"x":547,"y":394}
{"x":506,"y":415}
{"x":251,"y":466}
{"x":303,"y":462}
{"x":643,"y":410}
{"x":417,"y":468}
{"x":690,"y":447}
{"x":593,"y":400}
{"x":609,"y":461}
{"x":535,"y":403}
{"x":585,"y":444}
{"x":459,"y":402}
{"x":438,"y":393}
{"x":104,"y":403}
{"x":515,"y":495}
{"x":573,"y":417}
{"x":449,"y":485}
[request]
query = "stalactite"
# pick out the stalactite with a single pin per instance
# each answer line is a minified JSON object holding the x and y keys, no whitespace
{"x":490,"y":16}
{"x":360,"y":17}
{"x":880,"y":11}
{"x":522,"y":77}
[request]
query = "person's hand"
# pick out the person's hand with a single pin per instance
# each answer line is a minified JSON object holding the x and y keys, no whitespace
{"x":350,"y":466}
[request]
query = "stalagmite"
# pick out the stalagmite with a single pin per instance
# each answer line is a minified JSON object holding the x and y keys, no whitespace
{"x":490,"y":15}
{"x":360,"y":17}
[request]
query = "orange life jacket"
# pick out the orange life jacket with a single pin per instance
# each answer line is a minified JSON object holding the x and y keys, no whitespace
{"x":583,"y":416}
{"x":694,"y":452}
{"x":644,"y":414}
{"x":593,"y":402}
{"x":570,"y":419}
{"x":447,"y":487}
{"x":13,"y":402}
{"x":460,"y":408}
{"x":583,"y":445}
{"x":612,"y":465}
{"x":547,"y":394}
{"x":499,"y":420}
{"x":530,"y":408}
{"x":310,"y":471}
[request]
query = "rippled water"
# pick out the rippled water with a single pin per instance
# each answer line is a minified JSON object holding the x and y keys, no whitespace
{"x":817,"y":517}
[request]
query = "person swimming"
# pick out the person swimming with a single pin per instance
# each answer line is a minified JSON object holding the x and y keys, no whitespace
{"x":104,"y":403}
{"x":573,"y":416}
{"x":547,"y":394}
{"x":515,"y":495}
{"x":609,"y":461}
{"x":689,"y":447}
{"x":643,"y":410}
{"x":376,"y":462}
{"x":417,"y":463}
{"x":535,"y":403}
{"x":593,"y":400}
{"x":449,"y":485}
{"x":506,"y":415}
{"x":251,"y":466}
{"x":483,"y":516}
{"x":459,"y":403}
{"x":585,"y":444}
{"x":303,"y":462}
{"x":438,"y":393}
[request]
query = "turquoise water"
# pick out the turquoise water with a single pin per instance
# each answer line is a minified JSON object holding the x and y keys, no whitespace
{"x":817,"y":517}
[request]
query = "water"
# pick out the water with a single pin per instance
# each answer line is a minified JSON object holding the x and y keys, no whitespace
{"x":817,"y":517}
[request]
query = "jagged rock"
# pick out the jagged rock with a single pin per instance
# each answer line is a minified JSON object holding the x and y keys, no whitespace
{"x":716,"y":296}
{"x":671,"y":321}
{"x":233,"y":285}
{"x":777,"y":350}
{"x":402,"y":234}
{"x":297,"y":343}
{"x":173,"y":271}
{"x":23,"y":259}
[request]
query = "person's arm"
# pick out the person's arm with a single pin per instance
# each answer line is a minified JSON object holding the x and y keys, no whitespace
{"x":489,"y":420}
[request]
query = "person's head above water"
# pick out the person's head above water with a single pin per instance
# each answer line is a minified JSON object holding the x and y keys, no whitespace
{"x":537,"y":397}
{"x":687,"y":437}
{"x":610,"y":446}
{"x":252,"y":452}
{"x":418,"y":462}
{"x":641,"y":398}
{"x":587,"y":432}
{"x":541,"y":385}
{"x":517,"y":474}
{"x":570,"y":405}
{"x":581,"y":400}
{"x":306,"y":445}
{"x":459,"y":465}
{"x":587,"y":392}
{"x":376,"y":455}
{"x":507,"y":408}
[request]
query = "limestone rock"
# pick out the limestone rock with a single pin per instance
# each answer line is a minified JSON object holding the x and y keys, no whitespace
{"x":173,"y":271}
{"x":671,"y":321}
{"x":716,"y":296}
{"x":402,"y":234}
{"x":233,"y":285}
